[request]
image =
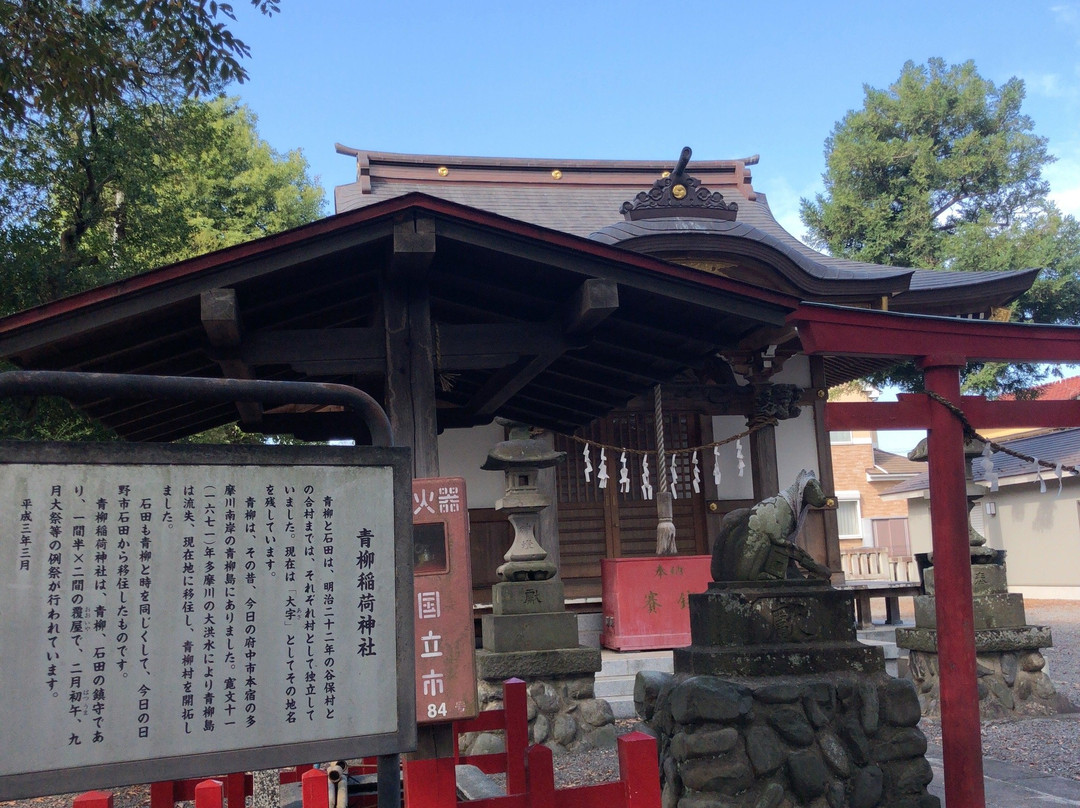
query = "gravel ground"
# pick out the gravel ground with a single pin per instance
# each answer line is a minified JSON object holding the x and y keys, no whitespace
{"x":1050,"y":745}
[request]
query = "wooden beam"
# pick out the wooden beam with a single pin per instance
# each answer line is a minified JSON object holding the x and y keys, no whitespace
{"x":836,"y":331}
{"x":221,"y":320}
{"x":913,"y":411}
{"x":587,"y":308}
{"x":593,"y":302}
{"x":414,"y":246}
{"x":220,"y":317}
{"x":326,"y":351}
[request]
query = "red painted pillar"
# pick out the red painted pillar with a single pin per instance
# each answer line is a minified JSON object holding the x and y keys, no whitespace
{"x":638,"y":770}
{"x":515,"y":713}
{"x":210,"y":794}
{"x":314,"y":789}
{"x":960,"y":728}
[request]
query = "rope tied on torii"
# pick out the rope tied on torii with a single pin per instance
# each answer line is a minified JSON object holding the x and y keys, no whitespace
{"x":970,"y":433}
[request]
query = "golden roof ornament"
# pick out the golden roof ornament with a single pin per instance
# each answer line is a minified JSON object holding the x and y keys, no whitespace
{"x":677,"y":194}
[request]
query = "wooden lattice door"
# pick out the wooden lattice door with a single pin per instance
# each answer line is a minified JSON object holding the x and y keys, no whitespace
{"x":597,"y":523}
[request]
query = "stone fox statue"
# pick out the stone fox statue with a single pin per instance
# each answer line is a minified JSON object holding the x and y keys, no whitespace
{"x":758,"y":543}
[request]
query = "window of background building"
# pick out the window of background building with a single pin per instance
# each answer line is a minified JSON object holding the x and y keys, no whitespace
{"x":849,"y":518}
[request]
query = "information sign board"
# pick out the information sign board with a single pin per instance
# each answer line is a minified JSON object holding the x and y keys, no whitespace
{"x":170,"y":612}
{"x":443,"y":620}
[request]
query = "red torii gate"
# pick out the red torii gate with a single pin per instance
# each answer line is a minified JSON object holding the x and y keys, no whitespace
{"x":941,"y":347}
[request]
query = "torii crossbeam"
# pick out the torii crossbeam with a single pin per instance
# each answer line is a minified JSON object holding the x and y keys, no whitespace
{"x":941,"y":347}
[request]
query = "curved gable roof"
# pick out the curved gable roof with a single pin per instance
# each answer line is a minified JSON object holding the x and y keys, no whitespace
{"x":584,"y":197}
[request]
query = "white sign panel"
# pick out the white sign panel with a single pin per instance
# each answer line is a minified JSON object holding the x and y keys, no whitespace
{"x":164,"y":611}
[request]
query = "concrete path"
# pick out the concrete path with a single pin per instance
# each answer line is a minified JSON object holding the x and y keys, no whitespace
{"x":1011,"y":786}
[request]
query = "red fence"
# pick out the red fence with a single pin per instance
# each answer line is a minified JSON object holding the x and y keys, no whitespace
{"x":530,"y":774}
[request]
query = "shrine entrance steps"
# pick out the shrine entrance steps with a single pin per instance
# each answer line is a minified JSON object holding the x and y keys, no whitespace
{"x":615,"y":680}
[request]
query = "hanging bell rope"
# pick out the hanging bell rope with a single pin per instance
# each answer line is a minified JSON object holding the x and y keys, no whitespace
{"x":665,"y":524}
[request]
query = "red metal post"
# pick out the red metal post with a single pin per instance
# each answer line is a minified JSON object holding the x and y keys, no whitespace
{"x":93,"y":799}
{"x":236,"y":790}
{"x":210,"y":794}
{"x":960,"y":728}
{"x":314,"y":789}
{"x":430,"y":783}
{"x":161,"y":794}
{"x":638,"y":770}
{"x":541,"y":774}
{"x":517,"y":734}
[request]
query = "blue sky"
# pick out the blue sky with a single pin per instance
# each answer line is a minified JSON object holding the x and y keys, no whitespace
{"x":636,"y":80}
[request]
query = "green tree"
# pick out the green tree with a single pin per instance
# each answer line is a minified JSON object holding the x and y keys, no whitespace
{"x":100,"y":196}
{"x":63,"y":56}
{"x":97,"y":197}
{"x":942,"y":170}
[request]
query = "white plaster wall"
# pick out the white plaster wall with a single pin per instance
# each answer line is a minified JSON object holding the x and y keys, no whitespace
{"x":1040,"y":533}
{"x":462,"y":452}
{"x":796,"y":446}
{"x":732,"y":486}
{"x":795,"y":371}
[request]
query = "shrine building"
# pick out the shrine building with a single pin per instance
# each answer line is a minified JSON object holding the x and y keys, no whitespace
{"x":559,"y":293}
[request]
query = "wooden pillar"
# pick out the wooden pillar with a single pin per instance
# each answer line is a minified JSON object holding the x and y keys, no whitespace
{"x":764,"y":470}
{"x":410,"y":404}
{"x":825,"y":467}
{"x":960,"y":726}
{"x":410,"y":369}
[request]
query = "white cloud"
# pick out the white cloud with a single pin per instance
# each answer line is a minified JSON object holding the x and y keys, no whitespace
{"x":1067,"y":13}
{"x":1064,"y":179}
{"x":1050,"y":85}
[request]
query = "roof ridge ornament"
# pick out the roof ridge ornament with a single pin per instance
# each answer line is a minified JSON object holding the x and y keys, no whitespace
{"x":678,"y":194}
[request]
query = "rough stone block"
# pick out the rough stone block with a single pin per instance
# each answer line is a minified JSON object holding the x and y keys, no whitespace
{"x":728,"y":775}
{"x":537,"y":664}
{"x":834,"y":753}
{"x":527,"y":597}
{"x":899,"y":703}
{"x":529,"y":632}
{"x":707,"y":743}
{"x":999,"y":610}
{"x":647,"y":686}
{"x":986,"y":579}
{"x":866,"y":788}
{"x":809,"y":777}
{"x":757,"y":614}
{"x":1024,"y":638}
{"x":791,"y":659}
{"x":899,"y":744}
{"x":706,"y":698}
{"x":792,"y":724}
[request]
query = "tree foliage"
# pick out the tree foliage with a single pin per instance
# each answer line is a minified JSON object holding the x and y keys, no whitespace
{"x":942,"y":170}
{"x":97,"y":197}
{"x":59,"y":56}
{"x":91,"y":198}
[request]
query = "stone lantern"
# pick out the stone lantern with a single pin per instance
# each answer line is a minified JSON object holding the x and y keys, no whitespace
{"x":521,"y":458}
{"x":1008,"y":652}
{"x":529,"y":634}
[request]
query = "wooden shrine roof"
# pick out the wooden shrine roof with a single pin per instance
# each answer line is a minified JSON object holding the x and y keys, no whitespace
{"x":308,"y":299}
{"x":583,"y":197}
